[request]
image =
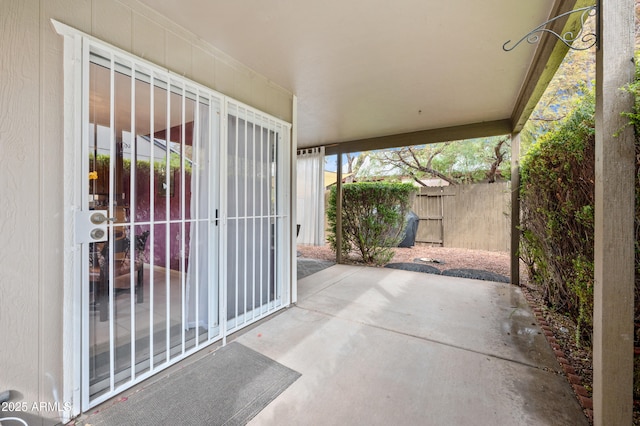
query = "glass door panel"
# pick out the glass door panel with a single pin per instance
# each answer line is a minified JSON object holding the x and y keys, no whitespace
{"x":152,"y":285}
{"x":152,"y":151}
{"x":254,"y":214}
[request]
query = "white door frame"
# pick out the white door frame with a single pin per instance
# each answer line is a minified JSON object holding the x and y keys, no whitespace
{"x":75,"y":270}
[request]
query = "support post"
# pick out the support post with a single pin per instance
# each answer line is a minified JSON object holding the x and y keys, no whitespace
{"x":614,"y":219}
{"x":294,"y":202}
{"x":515,"y":209}
{"x":339,"y":210}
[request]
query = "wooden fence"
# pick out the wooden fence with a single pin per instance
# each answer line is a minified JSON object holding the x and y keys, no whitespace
{"x":465,"y":216}
{"x":462,"y":216}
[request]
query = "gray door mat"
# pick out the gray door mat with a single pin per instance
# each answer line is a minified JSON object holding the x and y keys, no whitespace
{"x":227,"y":387}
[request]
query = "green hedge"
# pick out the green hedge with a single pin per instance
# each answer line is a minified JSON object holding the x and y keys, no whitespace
{"x":557,"y":216}
{"x":634,"y":120}
{"x":557,"y":199}
{"x":373,"y":219}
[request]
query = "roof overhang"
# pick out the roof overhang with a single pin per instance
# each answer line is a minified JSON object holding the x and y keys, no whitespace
{"x":372,"y":74}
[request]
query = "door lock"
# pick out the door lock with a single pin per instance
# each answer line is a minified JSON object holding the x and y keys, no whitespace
{"x":91,"y":226}
{"x":97,"y":234}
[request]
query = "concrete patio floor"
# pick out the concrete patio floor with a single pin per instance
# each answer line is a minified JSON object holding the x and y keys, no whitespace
{"x":390,"y":347}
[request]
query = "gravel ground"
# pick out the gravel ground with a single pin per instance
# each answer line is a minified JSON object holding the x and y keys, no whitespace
{"x":442,"y":258}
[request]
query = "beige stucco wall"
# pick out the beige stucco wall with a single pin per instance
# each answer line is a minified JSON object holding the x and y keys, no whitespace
{"x":32,"y":179}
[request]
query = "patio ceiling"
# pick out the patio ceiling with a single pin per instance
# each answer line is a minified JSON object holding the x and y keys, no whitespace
{"x":375,"y":73}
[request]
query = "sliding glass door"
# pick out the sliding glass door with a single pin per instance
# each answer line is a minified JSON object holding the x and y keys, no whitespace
{"x":256,"y":213}
{"x":151,"y":161}
{"x":183,"y":218}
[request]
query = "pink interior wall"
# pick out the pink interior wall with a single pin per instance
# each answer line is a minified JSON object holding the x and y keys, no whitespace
{"x":143,"y":214}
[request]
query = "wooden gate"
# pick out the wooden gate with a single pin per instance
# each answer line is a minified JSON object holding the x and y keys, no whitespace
{"x":430,"y":208}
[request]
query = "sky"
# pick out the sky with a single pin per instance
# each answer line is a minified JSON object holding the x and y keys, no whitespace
{"x":331,"y":162}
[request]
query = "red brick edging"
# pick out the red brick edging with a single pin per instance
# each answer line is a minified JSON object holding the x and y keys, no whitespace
{"x":576,"y":381}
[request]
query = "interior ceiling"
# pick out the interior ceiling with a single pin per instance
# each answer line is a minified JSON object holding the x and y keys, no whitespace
{"x":370,"y":68}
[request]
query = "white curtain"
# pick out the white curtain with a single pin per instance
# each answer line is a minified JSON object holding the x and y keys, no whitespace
{"x":199,"y":250}
{"x":310,"y":205}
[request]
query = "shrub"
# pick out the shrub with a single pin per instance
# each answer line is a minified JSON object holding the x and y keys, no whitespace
{"x":373,"y":219}
{"x":634,"y":120}
{"x":557,"y":216}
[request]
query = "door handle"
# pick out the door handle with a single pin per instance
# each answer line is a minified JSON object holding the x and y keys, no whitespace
{"x":99,"y":218}
{"x":91,"y":226}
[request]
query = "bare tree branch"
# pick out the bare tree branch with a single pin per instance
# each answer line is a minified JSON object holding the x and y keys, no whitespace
{"x":497,"y":160}
{"x":399,"y":160}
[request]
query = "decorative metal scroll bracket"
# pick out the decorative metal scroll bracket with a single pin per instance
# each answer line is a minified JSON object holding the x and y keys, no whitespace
{"x":585,"y":40}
